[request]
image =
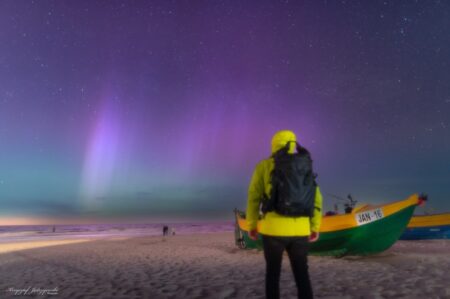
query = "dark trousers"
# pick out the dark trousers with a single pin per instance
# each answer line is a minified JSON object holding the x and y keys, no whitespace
{"x":297,"y":249}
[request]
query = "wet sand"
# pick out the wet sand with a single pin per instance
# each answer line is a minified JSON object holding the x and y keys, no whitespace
{"x":208,"y":265}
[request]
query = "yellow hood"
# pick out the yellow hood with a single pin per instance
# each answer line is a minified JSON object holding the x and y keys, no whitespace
{"x":281,"y":138}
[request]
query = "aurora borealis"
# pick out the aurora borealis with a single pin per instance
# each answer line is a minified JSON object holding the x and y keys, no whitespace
{"x":163,"y":108}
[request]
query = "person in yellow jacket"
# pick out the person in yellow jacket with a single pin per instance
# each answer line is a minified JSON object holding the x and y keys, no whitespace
{"x":281,"y":232}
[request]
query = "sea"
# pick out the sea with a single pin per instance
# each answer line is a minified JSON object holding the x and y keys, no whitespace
{"x":36,"y":232}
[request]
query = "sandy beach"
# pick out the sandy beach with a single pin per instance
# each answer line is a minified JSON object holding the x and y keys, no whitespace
{"x":208,"y":265}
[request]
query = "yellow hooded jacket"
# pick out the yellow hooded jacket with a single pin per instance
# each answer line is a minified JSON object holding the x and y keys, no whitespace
{"x":273,"y":224}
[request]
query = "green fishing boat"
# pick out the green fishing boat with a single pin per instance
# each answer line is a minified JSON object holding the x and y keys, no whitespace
{"x":366,"y":230}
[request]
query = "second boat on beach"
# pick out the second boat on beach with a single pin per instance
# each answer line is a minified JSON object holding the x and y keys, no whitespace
{"x":428,"y":227}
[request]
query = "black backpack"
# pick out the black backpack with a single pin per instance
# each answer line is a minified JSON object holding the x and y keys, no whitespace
{"x":293,"y":184}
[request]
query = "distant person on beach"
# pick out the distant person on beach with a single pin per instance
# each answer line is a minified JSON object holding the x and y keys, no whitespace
{"x":165,"y":230}
{"x":284,"y":189}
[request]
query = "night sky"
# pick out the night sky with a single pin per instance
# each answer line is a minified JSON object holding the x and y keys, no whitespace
{"x":144,"y":109}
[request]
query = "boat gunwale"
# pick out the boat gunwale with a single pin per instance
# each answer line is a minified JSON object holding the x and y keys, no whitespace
{"x":408,"y":202}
